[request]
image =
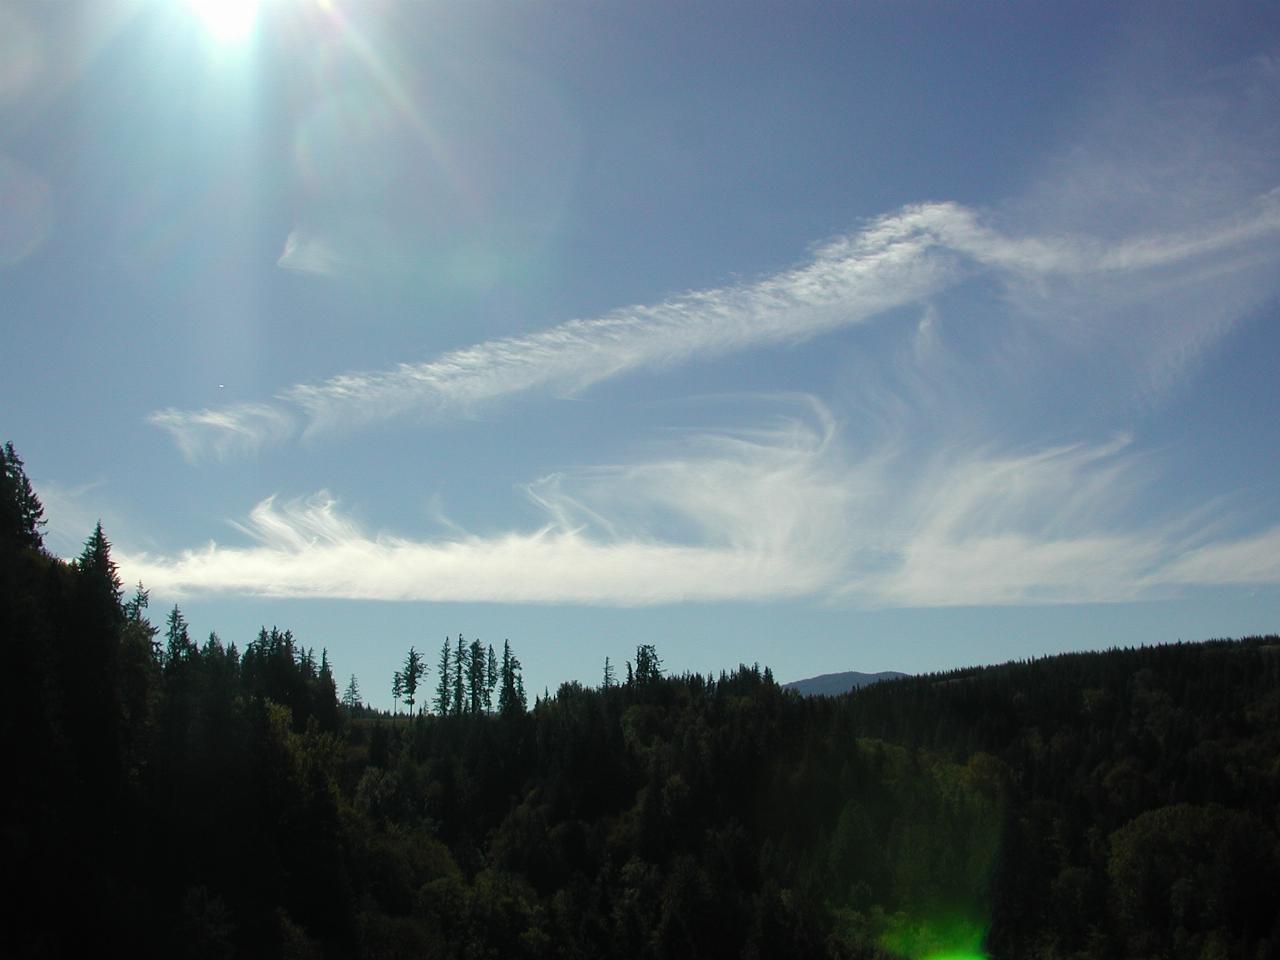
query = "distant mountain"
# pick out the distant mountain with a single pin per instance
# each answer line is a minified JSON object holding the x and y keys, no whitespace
{"x":834,"y":684}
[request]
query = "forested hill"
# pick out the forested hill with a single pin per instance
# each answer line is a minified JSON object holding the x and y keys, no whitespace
{"x":174,"y":798}
{"x":834,"y":684}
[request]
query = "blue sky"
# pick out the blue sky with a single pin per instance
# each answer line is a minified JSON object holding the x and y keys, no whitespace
{"x":829,"y":336}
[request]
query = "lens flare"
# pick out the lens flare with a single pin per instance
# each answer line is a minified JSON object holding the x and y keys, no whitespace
{"x":937,"y":937}
{"x":228,"y":21}
{"x":26,"y":212}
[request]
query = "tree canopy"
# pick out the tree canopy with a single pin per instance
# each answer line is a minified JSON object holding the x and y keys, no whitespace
{"x":175,"y":798}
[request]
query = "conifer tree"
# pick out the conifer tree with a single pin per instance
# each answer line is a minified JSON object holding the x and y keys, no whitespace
{"x":21,"y":514}
{"x":475,"y":677}
{"x":511,"y":697}
{"x":490,"y":678}
{"x":459,"y":671}
{"x":351,"y":696}
{"x":397,"y":691}
{"x":140,"y":626}
{"x":444,"y":684}
{"x":609,"y":679}
{"x":648,"y":666}
{"x":413,"y":671}
{"x":178,"y":645}
{"x":96,"y":565}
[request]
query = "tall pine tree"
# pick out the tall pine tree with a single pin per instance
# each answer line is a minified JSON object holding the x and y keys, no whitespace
{"x":413,"y":671}
{"x":178,"y":646}
{"x":21,"y":515}
{"x":459,"y":672}
{"x":444,"y":688}
{"x":490,"y":678}
{"x":476,"y":681}
{"x":511,"y":697}
{"x":98,"y":572}
{"x":351,"y":696}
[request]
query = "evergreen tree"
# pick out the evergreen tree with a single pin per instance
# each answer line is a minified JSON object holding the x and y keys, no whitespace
{"x":99,"y":570}
{"x":459,"y":671}
{"x":511,"y":698}
{"x":138,"y":625}
{"x":137,"y":603}
{"x":397,"y":691}
{"x":178,"y":645}
{"x":610,"y":680}
{"x":351,"y":696}
{"x":476,"y":681}
{"x":490,"y":678}
{"x":444,"y":684}
{"x":648,"y":666}
{"x":213,"y":648}
{"x":21,"y":515}
{"x":413,"y":671}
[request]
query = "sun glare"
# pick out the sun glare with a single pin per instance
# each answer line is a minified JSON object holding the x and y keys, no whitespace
{"x":228,"y":21}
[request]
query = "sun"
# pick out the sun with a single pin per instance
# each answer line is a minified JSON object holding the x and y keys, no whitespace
{"x":228,"y":21}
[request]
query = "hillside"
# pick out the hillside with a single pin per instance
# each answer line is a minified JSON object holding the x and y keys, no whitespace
{"x":835,"y":684}
{"x":184,"y":799}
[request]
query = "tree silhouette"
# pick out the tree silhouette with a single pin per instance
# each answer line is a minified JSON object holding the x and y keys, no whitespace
{"x":444,"y":684}
{"x":351,"y":696}
{"x":412,"y":672}
{"x":178,"y":646}
{"x":648,"y":666}
{"x":459,"y":672}
{"x":139,"y":625}
{"x":99,"y":572}
{"x":21,"y":514}
{"x":511,"y":697}
{"x":476,"y":678}
{"x":490,"y":678}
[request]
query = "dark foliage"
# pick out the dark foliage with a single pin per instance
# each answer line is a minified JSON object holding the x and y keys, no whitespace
{"x":182,"y":799}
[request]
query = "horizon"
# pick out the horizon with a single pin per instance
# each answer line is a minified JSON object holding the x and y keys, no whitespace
{"x":831,"y":339}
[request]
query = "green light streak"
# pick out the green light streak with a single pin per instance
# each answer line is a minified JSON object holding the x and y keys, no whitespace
{"x":937,"y":938}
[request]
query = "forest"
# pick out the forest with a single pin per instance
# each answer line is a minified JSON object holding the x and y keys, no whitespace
{"x":180,"y":798}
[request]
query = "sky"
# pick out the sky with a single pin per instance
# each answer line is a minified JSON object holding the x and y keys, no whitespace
{"x":877,"y":336}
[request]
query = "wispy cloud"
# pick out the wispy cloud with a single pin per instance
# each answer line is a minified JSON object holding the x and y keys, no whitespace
{"x":905,"y":258}
{"x":70,"y":513}
{"x":1248,"y":560}
{"x":750,"y":515}
{"x":307,"y":252}
{"x":783,"y":510}
{"x":1152,"y":231}
{"x":223,"y":431}
{"x":1036,"y":527}
{"x":848,"y":281}
{"x":1051,"y":526}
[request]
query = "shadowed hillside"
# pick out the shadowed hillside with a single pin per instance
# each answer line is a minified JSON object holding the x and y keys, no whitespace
{"x":183,"y":798}
{"x":834,"y":684}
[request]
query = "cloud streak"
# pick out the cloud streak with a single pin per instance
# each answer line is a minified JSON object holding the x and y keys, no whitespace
{"x":782,"y":510}
{"x":219,"y":432}
{"x":901,"y":259}
{"x":307,"y":252}
{"x":753,"y":513}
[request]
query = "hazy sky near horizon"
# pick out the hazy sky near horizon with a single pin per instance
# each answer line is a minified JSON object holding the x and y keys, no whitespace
{"x":829,"y":336}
